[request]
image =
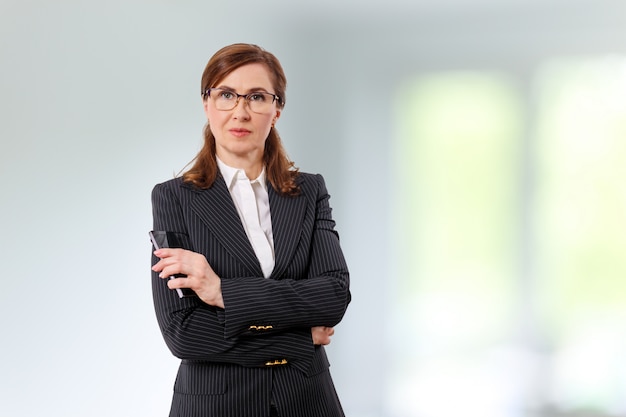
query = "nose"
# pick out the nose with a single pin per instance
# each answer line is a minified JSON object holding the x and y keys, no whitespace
{"x":241,"y":110}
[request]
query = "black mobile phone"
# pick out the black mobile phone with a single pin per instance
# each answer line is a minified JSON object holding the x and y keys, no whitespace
{"x":162,"y":239}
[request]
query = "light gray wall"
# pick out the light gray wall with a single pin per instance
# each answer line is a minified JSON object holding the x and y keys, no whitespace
{"x":99,"y":101}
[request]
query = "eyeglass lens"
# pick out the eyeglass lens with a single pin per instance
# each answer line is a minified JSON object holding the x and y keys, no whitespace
{"x":258,"y":102}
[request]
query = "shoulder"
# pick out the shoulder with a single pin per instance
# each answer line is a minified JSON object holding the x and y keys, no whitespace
{"x":166,"y":187}
{"x":169,"y":184}
{"x":312,"y":184}
{"x":173,"y":188}
{"x":306,"y":178}
{"x":175,"y":185}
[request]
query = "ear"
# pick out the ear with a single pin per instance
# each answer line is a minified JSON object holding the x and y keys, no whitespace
{"x":276,"y":116}
{"x":205,"y":105}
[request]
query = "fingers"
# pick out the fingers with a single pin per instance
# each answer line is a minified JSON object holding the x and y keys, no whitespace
{"x":174,"y":283}
{"x":200,"y":277}
{"x":166,"y":270}
{"x":321,"y":335}
{"x":167,"y":253}
{"x":172,"y":261}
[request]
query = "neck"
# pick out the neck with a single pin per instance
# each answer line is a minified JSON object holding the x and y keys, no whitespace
{"x":252,"y":167}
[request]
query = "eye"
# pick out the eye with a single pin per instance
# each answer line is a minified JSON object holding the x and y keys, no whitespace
{"x":226,"y":95}
{"x":260,"y":97}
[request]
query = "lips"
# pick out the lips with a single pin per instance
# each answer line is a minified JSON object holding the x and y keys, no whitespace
{"x":239,"y":132}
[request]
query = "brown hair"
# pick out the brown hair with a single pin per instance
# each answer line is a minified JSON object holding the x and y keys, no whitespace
{"x":281,"y":172}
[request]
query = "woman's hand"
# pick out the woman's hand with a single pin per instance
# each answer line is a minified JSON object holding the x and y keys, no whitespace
{"x":200,"y":276}
{"x":321,"y":335}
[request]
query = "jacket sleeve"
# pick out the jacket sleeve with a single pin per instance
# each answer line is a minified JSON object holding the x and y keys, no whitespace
{"x":315,"y":292}
{"x":194,"y":330}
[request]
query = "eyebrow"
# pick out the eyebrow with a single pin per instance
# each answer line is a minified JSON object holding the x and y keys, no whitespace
{"x":250,"y":90}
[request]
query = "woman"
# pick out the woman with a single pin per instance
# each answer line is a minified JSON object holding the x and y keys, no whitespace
{"x":269,"y":276}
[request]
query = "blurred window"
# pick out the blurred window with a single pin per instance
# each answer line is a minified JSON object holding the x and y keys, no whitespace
{"x":510,"y":242}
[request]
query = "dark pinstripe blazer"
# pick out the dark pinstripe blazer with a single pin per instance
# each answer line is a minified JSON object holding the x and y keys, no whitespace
{"x":257,"y":350}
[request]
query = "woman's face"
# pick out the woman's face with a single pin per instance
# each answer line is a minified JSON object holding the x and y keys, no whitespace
{"x":240,"y":133}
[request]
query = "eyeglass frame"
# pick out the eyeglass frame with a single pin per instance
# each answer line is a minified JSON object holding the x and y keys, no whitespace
{"x":207,"y":93}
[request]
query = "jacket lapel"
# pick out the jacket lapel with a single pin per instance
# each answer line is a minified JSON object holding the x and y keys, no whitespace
{"x":215,"y":208}
{"x":287,"y":217}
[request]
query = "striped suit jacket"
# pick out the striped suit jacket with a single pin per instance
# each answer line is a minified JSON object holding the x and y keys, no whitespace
{"x":258,"y":350}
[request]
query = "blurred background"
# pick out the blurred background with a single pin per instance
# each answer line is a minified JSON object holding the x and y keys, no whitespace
{"x":473,"y":150}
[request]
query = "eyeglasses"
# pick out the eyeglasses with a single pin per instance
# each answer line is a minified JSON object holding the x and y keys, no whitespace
{"x":258,"y":102}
